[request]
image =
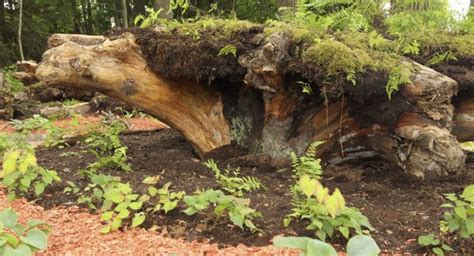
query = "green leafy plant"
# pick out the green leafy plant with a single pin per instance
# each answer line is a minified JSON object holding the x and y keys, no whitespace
{"x":237,"y":209}
{"x":115,"y":199}
{"x":228,"y":50}
{"x":14,"y":85}
{"x":235,"y":185}
{"x":152,"y":17}
{"x":399,"y":75}
{"x":70,"y":102}
{"x":460,"y":217}
{"x":166,"y":200}
{"x":20,"y":171}
{"x":108,"y":149}
{"x":438,"y":246}
{"x":441,"y":57}
{"x":54,"y":135}
{"x":16,"y":239}
{"x":307,"y":164}
{"x":360,"y":245}
{"x":468,"y":146}
{"x":326,"y":213}
{"x":305,"y":87}
{"x":458,"y":220}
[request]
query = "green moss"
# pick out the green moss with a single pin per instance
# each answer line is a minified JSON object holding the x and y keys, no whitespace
{"x":300,"y":34}
{"x":336,"y":57}
{"x":221,"y":28}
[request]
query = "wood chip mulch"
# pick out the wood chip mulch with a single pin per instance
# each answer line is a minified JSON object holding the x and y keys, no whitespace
{"x":76,"y":232}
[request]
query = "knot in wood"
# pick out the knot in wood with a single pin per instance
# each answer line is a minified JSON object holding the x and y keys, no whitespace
{"x":129,"y":87}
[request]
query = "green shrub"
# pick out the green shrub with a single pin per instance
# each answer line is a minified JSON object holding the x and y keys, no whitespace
{"x":108,"y":149}
{"x":16,"y":239}
{"x":458,"y":220}
{"x":326,"y":213}
{"x":20,"y":171}
{"x":165,"y":200}
{"x":237,"y":209}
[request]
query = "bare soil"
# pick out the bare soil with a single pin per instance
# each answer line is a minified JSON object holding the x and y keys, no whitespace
{"x":400,"y":209}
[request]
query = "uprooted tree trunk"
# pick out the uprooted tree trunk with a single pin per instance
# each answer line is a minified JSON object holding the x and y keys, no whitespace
{"x":266,"y":112}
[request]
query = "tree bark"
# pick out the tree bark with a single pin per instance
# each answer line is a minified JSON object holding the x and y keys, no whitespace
{"x":124,"y":14}
{"x":20,"y":25}
{"x":266,"y":116}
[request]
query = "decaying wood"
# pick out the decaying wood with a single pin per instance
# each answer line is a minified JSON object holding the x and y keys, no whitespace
{"x":116,"y":69}
{"x":268,"y":116}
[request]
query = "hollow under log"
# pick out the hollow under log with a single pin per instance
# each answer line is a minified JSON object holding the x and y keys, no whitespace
{"x":264,"y":113}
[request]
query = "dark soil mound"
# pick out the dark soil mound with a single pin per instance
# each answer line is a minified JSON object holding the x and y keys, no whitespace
{"x":399,"y":210}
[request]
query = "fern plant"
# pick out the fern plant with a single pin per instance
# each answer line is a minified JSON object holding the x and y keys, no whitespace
{"x":235,"y":185}
{"x":307,"y":164}
{"x":400,"y":75}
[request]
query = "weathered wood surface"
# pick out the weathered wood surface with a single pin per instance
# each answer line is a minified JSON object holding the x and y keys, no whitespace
{"x":420,"y":143}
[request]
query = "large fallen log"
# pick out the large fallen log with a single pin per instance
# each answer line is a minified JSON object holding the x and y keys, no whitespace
{"x":266,"y":112}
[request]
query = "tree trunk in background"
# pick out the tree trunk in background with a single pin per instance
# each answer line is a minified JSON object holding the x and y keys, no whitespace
{"x":165,"y":5}
{"x":139,"y":7}
{"x":286,"y":3}
{"x":2,"y":15}
{"x":20,"y":45}
{"x":124,"y":13}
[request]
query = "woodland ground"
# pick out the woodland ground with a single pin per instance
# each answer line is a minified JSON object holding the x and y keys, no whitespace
{"x":400,"y":209}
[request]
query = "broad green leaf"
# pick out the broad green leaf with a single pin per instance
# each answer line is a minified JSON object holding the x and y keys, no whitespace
{"x":116,"y":223}
{"x":427,"y":240}
{"x":291,"y":242}
{"x":152,"y":191}
{"x":3,"y":241}
{"x":438,"y":251}
{"x":106,"y":216}
{"x":136,"y":205}
{"x":11,"y":239}
{"x":37,"y":223}
{"x":21,"y":250}
{"x":308,"y":185}
{"x":8,"y":217}
{"x":447,"y":247}
{"x":122,"y":206}
{"x":35,"y":238}
{"x":461,"y":212}
{"x":332,"y":206}
{"x":362,"y":245}
{"x":123,"y":214}
{"x":468,"y":193}
{"x":318,"y":248}
{"x":151,"y":180}
{"x":18,"y":229}
{"x":190,"y":211}
{"x":138,"y":219}
{"x":340,"y":199}
{"x":39,"y":188}
{"x":321,"y":194}
{"x":168,"y":206}
{"x":9,"y":166}
{"x":237,"y":219}
{"x":106,"y":229}
{"x":30,"y":159}
{"x":23,"y":167}
{"x":344,"y":231}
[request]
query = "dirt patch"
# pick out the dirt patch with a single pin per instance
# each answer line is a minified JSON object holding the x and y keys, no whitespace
{"x":181,"y":56}
{"x":399,"y":209}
